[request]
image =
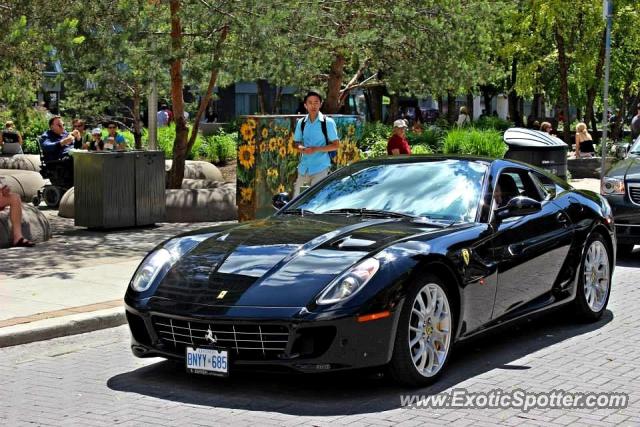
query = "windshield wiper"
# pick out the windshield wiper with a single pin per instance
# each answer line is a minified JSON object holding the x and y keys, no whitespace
{"x":298,"y":211}
{"x":370,"y":212}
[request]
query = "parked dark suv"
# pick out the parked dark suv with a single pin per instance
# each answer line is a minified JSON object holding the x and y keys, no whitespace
{"x":621,"y":187}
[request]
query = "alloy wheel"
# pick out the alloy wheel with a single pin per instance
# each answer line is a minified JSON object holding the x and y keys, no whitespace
{"x":596,"y":276}
{"x":430,"y":330}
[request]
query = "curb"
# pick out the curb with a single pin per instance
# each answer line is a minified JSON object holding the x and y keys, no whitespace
{"x":61,"y":326}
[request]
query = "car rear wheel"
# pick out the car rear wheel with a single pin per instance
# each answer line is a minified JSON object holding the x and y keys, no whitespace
{"x":425,"y":332}
{"x":594,"y":281}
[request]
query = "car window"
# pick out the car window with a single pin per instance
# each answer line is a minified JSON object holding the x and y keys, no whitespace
{"x":515,"y":183}
{"x":443,"y":189}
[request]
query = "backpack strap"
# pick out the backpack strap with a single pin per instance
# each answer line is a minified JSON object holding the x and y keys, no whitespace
{"x":323,"y":126}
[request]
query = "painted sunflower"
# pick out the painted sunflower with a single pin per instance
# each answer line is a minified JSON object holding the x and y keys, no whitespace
{"x":280,"y":141}
{"x":246,"y":155}
{"x":252,"y":123}
{"x":281,"y":188}
{"x":282,"y":152}
{"x":246,"y":194}
{"x":272,"y":172}
{"x":264,"y":147}
{"x":246,"y":131}
{"x":265,"y":132}
{"x":291,"y":146}
{"x":273,"y":144}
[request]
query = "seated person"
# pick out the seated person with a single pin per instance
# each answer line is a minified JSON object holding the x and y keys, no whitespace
{"x":96,"y":143}
{"x":114,"y":140}
{"x":506,"y":189}
{"x":7,"y":198}
{"x":57,"y":142}
{"x":10,"y":139}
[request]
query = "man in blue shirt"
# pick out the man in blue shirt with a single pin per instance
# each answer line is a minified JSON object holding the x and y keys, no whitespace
{"x":315,"y":161}
{"x":114,"y":141}
{"x":57,"y":142}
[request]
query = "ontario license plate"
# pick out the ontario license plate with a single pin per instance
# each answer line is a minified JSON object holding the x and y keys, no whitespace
{"x":207,"y":361}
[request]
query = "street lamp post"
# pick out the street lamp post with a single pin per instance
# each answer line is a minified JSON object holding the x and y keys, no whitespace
{"x":607,"y":13}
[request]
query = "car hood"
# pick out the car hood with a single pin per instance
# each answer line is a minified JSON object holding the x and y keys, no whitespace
{"x":282,"y":261}
{"x":628,"y":168}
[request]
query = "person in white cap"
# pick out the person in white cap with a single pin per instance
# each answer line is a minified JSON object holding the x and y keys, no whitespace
{"x":96,"y":143}
{"x":398,"y":143}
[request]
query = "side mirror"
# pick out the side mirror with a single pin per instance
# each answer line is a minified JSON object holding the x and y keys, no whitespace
{"x":519,"y":206}
{"x":280,"y":200}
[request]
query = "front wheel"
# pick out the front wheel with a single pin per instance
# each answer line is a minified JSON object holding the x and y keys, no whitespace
{"x":425,"y":333}
{"x":594,"y":281}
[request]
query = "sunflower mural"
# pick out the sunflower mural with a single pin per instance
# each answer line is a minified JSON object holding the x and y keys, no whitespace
{"x":268,"y":159}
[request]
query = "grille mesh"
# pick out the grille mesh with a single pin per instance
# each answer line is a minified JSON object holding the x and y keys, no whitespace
{"x":246,"y":341}
{"x":634,"y":193}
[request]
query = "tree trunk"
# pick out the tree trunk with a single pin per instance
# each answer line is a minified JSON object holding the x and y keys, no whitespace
{"x":176,"y":173}
{"x":260,"y":86}
{"x":332,"y":103}
{"x":376,"y":102}
{"x":564,"y":85}
{"x":277,"y":100}
{"x":451,"y":107}
{"x":535,"y":106}
{"x":593,"y":88}
{"x":204,"y":101}
{"x":394,"y":106}
{"x":470,"y":105}
{"x":440,"y":106}
{"x":514,"y":100}
{"x":137,"y":129}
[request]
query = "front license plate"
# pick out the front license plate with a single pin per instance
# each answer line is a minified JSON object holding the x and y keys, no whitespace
{"x":207,"y":361}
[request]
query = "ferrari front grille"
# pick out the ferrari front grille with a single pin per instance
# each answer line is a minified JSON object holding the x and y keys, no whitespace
{"x":248,"y":341}
{"x":634,"y":192}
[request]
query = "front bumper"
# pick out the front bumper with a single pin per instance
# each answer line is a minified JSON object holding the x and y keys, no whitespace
{"x":315,"y":344}
{"x":627,"y":219}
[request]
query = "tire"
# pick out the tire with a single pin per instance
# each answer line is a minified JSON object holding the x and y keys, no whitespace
{"x":594,"y":280}
{"x":625,"y":249}
{"x":422,"y":341}
{"x":52,"y":195}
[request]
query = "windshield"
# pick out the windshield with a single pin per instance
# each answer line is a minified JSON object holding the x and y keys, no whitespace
{"x":635,"y":148}
{"x":443,"y":189}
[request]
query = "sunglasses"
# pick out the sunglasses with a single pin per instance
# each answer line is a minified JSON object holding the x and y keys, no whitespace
{"x":111,"y":127}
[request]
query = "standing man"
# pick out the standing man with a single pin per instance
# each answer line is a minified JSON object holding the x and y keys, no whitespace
{"x":162,"y":117}
{"x":635,"y":124}
{"x":315,"y":136}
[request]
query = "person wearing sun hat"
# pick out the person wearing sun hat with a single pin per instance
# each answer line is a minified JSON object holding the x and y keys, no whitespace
{"x":96,"y":143}
{"x":398,"y":143}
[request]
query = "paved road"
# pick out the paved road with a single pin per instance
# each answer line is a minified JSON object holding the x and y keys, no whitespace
{"x":93,"y":379}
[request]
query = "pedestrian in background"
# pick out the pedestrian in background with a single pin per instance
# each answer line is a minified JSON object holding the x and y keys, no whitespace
{"x":546,"y":127}
{"x":315,"y":136}
{"x":398,"y":143}
{"x":584,"y":142}
{"x":463,"y":117}
{"x":635,"y":124}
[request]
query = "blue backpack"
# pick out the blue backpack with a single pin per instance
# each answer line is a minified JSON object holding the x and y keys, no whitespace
{"x":323,"y":126}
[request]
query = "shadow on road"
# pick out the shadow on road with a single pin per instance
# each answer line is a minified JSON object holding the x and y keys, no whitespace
{"x":350,"y":393}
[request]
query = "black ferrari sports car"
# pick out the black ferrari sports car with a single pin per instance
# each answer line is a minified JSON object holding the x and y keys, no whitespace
{"x":385,"y":262}
{"x":621,"y":187}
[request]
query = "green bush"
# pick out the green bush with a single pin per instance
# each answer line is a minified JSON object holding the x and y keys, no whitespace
{"x":218,"y":148}
{"x":378,"y":149}
{"x":492,"y":122}
{"x":431,"y":136}
{"x":374,"y":133}
{"x":421,"y":149}
{"x":475,"y":142}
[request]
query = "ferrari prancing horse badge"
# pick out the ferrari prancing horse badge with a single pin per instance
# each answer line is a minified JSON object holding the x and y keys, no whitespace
{"x":465,"y":256}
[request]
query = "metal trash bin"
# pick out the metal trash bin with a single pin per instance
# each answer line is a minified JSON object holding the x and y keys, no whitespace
{"x":537,"y":148}
{"x":119,"y":189}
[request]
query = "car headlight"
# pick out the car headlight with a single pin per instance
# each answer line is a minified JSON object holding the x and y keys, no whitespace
{"x":612,"y":186}
{"x":348,"y":284}
{"x":158,"y":263}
